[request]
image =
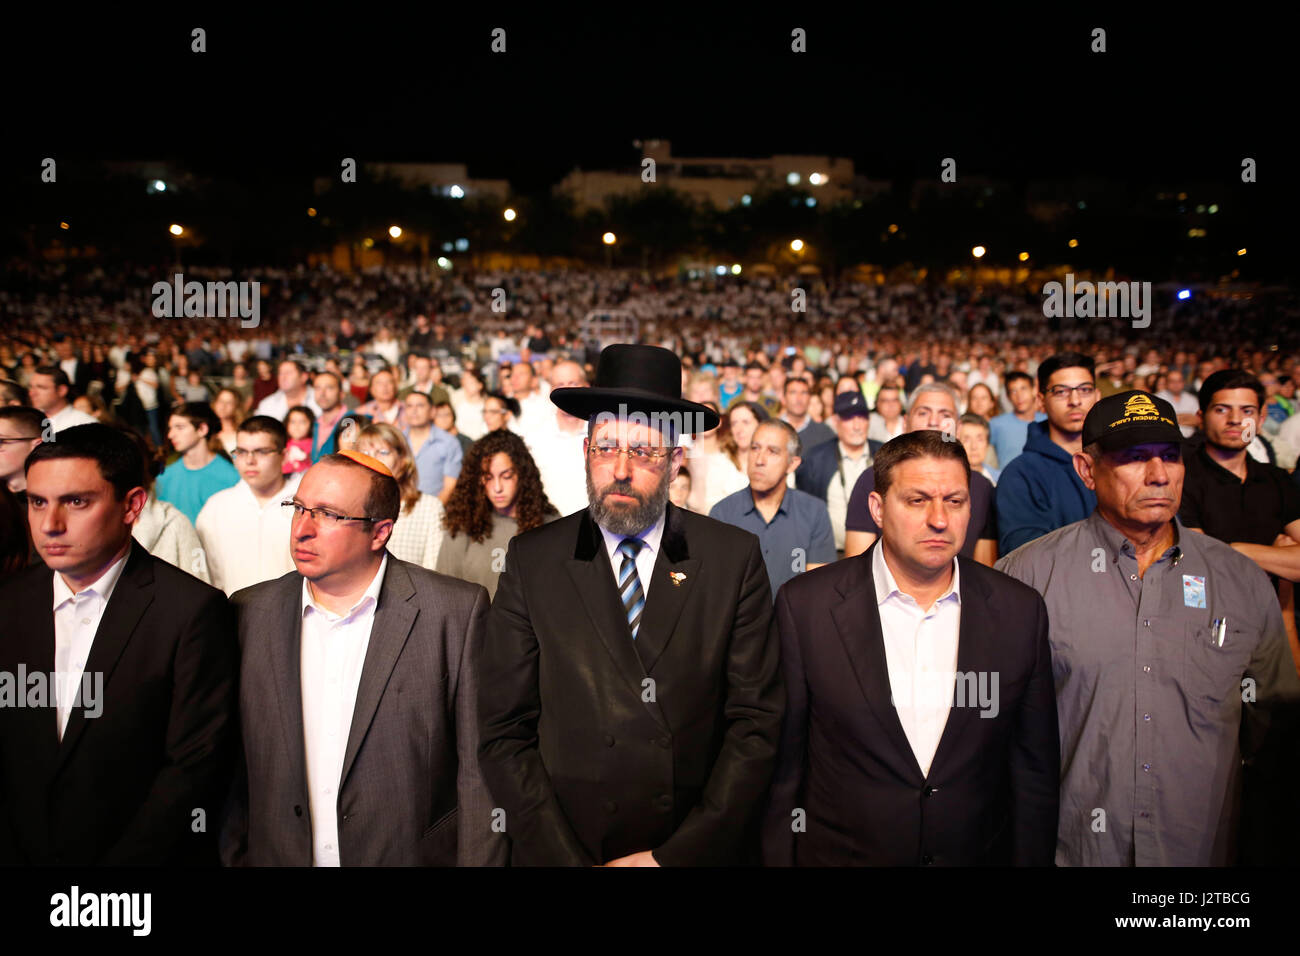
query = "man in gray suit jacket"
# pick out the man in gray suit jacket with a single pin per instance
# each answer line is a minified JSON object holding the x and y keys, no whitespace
{"x":357,"y":695}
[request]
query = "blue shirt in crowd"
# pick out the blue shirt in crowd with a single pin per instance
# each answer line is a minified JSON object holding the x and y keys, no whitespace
{"x":1007,"y":435}
{"x":186,"y":489}
{"x":801,"y":522}
{"x":439,"y":456}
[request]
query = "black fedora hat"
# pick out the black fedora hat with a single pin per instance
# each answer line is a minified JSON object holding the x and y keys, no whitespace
{"x":637,"y":379}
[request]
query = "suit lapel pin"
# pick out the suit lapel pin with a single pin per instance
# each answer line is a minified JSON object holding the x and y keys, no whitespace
{"x":677,"y":577}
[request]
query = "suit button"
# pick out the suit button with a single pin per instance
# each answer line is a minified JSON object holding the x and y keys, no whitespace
{"x":347,"y":817}
{"x":297,"y":810}
{"x":927,"y":860}
{"x":611,"y":806}
{"x":928,"y":791}
{"x":609,"y":740}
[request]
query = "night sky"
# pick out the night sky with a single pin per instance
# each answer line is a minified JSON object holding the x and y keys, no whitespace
{"x":1014,"y":96}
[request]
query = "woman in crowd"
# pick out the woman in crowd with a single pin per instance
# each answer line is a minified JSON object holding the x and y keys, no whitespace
{"x":714,"y":474}
{"x":265,"y":383}
{"x":385,"y":344}
{"x":743,"y":419}
{"x":228,"y":407}
{"x":242,"y":386}
{"x":467,"y":401}
{"x":418,"y":534}
{"x":498,"y":495}
{"x":359,"y":379}
{"x":980,"y":401}
{"x":92,"y":405}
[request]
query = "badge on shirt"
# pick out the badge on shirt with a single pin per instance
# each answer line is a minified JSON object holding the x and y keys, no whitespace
{"x":1193,"y":591}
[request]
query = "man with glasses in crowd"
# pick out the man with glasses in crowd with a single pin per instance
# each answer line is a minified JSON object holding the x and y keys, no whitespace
{"x":1039,"y":490}
{"x":347,"y":665}
{"x":630,"y":698}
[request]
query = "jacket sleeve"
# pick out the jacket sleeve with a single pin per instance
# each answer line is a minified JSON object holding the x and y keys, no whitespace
{"x":787,"y":784}
{"x":1020,"y":518}
{"x":1036,"y":758}
{"x":201,"y":737}
{"x":509,"y":702}
{"x":715,"y":830}
{"x":477,"y":843}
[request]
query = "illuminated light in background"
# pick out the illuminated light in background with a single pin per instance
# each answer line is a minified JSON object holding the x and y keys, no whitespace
{"x":810,"y":202}
{"x":1214,"y":207}
{"x":978,"y":252}
{"x":176,"y":229}
{"x":444,"y":262}
{"x":1074,"y":243}
{"x":311,"y":210}
{"x":796,"y":245}
{"x":721,"y":270}
{"x":609,"y":238}
{"x":893,"y":227}
{"x":367,"y":242}
{"x":455,"y":192}
{"x":448,"y":246}
{"x":735,"y":269}
{"x":63,"y":225}
{"x":395,"y":232}
{"x":1241,"y":252}
{"x":1184,"y":293}
{"x":792,"y":179}
{"x":817,"y":179}
{"x":509,"y":215}
{"x":746,"y":199}
{"x":462,"y":245}
{"x":159,"y":186}
{"x":1024,"y":257}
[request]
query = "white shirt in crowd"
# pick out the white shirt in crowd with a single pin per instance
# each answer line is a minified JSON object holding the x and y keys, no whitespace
{"x":1185,"y":404}
{"x":469,"y":416}
{"x":1286,"y":444}
{"x":879,"y":430}
{"x":564,"y":472}
{"x":921,"y":656}
{"x":76,"y":619}
{"x":645,"y":558}
{"x":536,"y":416}
{"x":841,"y":487}
{"x":244,"y":541}
{"x":277,"y":405}
{"x":333,"y":653}
{"x":69,"y":417}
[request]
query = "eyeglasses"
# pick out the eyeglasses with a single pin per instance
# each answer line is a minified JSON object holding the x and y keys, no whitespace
{"x":10,"y":441}
{"x":255,"y":453}
{"x":377,"y":452}
{"x":641,"y":454}
{"x":1059,"y":392}
{"x":322,"y":516}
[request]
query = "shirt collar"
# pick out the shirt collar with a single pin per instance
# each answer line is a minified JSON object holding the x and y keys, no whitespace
{"x":102,"y":587}
{"x":371,"y":594}
{"x":650,"y":537}
{"x":887,"y":586}
{"x":1116,"y":544}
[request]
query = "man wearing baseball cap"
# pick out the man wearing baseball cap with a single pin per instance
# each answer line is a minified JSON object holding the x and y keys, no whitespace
{"x":831,"y":469}
{"x":1170,"y":659}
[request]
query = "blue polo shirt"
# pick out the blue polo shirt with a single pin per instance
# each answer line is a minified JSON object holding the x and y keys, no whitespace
{"x":187,"y":489}
{"x":801,"y":522}
{"x":439,"y":456}
{"x":1007,"y":435}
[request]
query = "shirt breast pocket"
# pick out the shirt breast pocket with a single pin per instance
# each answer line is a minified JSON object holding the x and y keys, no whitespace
{"x":1212,"y":671}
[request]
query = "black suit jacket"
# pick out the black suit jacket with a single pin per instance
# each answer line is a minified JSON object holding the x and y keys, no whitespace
{"x":991,"y":795}
{"x":123,"y":787}
{"x":820,"y":464}
{"x":598,"y":746}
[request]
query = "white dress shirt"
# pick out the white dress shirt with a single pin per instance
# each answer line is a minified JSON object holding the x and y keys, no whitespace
{"x":921,"y":655}
{"x":841,"y":487}
{"x":244,"y":541}
{"x":76,"y":619}
{"x":558,"y":455}
{"x":333,"y":653}
{"x":277,"y":405}
{"x":645,"y":558}
{"x":70,"y":417}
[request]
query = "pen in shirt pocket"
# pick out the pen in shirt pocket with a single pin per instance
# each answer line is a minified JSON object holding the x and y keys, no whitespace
{"x":1218,"y":631}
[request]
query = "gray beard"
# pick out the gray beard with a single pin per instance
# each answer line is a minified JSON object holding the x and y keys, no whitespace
{"x":627,"y":522}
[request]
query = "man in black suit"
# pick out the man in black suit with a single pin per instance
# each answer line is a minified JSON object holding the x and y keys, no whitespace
{"x":921,"y":722}
{"x":630,"y":696}
{"x":124,"y":756}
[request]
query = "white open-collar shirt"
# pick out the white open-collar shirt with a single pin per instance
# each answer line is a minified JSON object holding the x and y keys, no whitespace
{"x":333,"y":653}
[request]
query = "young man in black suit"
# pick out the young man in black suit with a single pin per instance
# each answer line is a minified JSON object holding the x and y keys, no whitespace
{"x":921,"y":717}
{"x":116,"y":742}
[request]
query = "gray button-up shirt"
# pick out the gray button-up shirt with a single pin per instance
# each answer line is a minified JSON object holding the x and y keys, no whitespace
{"x":1150,"y":705}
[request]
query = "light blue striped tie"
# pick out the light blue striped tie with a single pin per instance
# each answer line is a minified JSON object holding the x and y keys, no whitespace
{"x":629,"y":583}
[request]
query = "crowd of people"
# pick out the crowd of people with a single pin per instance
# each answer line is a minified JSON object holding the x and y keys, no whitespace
{"x":469,"y":413}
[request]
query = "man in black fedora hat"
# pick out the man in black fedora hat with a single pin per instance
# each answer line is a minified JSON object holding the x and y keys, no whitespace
{"x":630,"y":698}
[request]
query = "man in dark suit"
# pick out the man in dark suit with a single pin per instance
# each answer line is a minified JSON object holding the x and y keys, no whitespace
{"x":124,"y":756}
{"x":630,"y":696}
{"x":357,"y":695}
{"x":921,"y":724}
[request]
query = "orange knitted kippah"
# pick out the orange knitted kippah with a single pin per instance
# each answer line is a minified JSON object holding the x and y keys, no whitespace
{"x":374,"y":464}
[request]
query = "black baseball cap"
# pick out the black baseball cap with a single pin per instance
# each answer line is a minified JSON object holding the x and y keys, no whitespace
{"x":1131,"y":418}
{"x":848,"y":404}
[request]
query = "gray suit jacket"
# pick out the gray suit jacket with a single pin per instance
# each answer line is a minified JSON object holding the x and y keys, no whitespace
{"x":410,"y":793}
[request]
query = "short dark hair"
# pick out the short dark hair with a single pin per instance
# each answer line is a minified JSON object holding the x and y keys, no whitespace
{"x":424,"y":395}
{"x":970,"y":418}
{"x":119,"y":459}
{"x":927,"y":443}
{"x":1055,"y":363}
{"x":1015,"y":376}
{"x":383,"y":499}
{"x":302,"y":369}
{"x":11,"y":391}
{"x":511,"y":404}
{"x":795,"y":380}
{"x":266,"y":425}
{"x":337,"y":381}
{"x":1225,"y":379}
{"x":53,"y":371}
{"x":27,"y":418}
{"x":198,"y":413}
{"x":449,"y":407}
{"x":754,"y":366}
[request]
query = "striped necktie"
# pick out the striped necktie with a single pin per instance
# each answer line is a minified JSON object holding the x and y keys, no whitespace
{"x":629,"y":583}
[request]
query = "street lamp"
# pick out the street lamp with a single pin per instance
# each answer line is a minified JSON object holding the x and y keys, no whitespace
{"x":509,"y":215}
{"x":796,"y":245}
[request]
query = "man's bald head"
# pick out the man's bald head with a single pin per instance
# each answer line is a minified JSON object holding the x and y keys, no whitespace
{"x":568,"y":374}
